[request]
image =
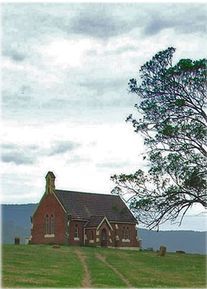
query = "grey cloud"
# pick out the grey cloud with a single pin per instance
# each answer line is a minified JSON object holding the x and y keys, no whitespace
{"x":8,"y":146}
{"x":98,"y":22}
{"x":191,"y":19}
{"x":19,"y":155}
{"x":35,"y":20}
{"x":12,"y":146}
{"x":14,"y":55}
{"x":28,"y":154}
{"x":155,"y":25}
{"x":17,"y":158}
{"x":63,"y":147}
{"x":104,"y":21}
{"x":181,"y":17}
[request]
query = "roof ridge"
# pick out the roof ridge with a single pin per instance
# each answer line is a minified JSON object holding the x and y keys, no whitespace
{"x":59,"y":190}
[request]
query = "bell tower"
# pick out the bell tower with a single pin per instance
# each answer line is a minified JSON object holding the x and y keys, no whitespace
{"x":50,"y":183}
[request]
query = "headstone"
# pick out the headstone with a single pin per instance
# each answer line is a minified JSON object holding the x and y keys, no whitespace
{"x":180,"y":252}
{"x":140,"y":243}
{"x":16,"y":240}
{"x":150,"y":249}
{"x":162,"y":251}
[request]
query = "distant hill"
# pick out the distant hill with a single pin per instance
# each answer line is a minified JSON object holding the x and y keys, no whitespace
{"x":188,"y":241}
{"x":16,"y":223}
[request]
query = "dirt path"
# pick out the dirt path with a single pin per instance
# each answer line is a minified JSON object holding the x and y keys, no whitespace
{"x":86,"y":282}
{"x":103,"y":259}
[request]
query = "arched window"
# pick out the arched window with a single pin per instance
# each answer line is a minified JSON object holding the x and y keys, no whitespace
{"x":127,"y":233}
{"x":76,"y":233}
{"x":52,"y":224}
{"x":47,"y":229}
{"x":123,"y":232}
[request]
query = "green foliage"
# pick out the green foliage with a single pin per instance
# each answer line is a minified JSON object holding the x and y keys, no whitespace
{"x":172,"y":119}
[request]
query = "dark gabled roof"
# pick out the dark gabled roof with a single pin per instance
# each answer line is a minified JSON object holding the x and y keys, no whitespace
{"x":84,"y":205}
{"x":94,"y":221}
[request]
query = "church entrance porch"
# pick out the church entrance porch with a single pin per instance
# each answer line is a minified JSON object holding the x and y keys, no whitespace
{"x":103,"y":238}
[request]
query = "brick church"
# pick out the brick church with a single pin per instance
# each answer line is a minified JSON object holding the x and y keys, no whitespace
{"x":76,"y":218}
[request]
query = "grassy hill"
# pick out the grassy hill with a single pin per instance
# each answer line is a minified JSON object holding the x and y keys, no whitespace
{"x":46,"y":266}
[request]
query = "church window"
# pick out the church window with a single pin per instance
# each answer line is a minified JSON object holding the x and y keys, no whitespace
{"x":47,"y":224}
{"x":52,"y":224}
{"x":76,"y":233}
{"x":125,"y":233}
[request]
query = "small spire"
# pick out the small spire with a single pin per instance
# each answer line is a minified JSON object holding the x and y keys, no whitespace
{"x":50,"y":183}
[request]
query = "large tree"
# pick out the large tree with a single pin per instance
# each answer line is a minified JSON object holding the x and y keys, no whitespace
{"x":172,"y":118}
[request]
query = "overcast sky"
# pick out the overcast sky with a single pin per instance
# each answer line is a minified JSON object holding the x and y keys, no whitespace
{"x":65,"y":69}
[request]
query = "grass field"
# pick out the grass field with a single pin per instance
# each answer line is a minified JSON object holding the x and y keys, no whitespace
{"x":44,"y":266}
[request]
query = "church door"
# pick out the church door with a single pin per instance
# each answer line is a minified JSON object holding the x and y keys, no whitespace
{"x":104,"y":238}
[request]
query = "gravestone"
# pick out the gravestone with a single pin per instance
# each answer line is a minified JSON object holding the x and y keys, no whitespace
{"x":16,"y":240}
{"x":162,"y":251}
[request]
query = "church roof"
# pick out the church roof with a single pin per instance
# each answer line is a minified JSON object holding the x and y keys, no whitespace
{"x":94,"y":221}
{"x":85,"y":205}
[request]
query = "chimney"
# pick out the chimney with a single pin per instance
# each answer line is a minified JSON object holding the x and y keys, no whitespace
{"x":50,"y":183}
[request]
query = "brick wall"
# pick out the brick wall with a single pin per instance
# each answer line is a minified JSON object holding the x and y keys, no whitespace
{"x":76,"y":225}
{"x":49,"y":206}
{"x":119,"y":240}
